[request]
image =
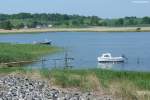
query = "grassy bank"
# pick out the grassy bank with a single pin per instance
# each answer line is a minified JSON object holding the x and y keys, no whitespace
{"x":125,"y":85}
{"x":92,"y":29}
{"x":23,"y":52}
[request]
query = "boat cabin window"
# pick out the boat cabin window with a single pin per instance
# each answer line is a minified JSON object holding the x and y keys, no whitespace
{"x":106,"y":55}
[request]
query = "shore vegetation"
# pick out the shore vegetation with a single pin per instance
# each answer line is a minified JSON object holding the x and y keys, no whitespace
{"x":122,"y":84}
{"x":24,"y":52}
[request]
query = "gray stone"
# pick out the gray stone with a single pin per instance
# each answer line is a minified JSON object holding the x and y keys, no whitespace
{"x":15,"y":87}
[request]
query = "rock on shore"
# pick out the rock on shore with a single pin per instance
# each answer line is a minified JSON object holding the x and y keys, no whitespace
{"x":15,"y":87}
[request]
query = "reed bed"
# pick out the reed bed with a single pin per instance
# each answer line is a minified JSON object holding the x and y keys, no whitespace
{"x":23,"y":52}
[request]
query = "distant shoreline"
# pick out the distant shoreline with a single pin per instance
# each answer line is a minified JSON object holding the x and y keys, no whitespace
{"x":92,"y":29}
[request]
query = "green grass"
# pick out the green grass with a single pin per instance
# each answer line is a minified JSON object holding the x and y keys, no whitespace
{"x":8,"y":70}
{"x":105,"y":77}
{"x":122,"y":84}
{"x":23,"y":52}
{"x":74,"y":78}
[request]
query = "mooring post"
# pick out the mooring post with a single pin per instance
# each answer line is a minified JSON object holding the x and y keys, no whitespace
{"x":66,"y":59}
{"x":43,"y":64}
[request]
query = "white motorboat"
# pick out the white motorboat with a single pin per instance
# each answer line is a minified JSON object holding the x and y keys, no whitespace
{"x":107,"y":58}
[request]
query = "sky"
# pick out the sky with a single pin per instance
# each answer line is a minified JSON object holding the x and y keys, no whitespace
{"x":101,"y":8}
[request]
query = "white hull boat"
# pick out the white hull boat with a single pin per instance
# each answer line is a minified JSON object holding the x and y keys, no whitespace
{"x":107,"y":58}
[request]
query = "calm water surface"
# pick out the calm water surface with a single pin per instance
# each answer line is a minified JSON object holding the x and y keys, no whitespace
{"x":85,"y":47}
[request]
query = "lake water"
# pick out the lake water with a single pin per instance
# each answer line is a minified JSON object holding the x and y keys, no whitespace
{"x":85,"y":47}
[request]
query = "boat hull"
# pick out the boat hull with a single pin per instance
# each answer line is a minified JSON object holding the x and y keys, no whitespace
{"x":44,"y":43}
{"x":121,"y":61}
{"x":111,"y":60}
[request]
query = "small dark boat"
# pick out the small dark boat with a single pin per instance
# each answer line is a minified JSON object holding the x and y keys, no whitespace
{"x":44,"y":42}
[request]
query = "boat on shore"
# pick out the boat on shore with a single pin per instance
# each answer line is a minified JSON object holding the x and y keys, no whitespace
{"x":107,"y":58}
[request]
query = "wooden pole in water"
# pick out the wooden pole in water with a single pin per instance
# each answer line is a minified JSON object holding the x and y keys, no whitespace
{"x":43,"y":64}
{"x":55,"y":62}
{"x":66,"y":59}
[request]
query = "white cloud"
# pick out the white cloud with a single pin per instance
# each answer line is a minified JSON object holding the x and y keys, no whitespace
{"x":141,"y":1}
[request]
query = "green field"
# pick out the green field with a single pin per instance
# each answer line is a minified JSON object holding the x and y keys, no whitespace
{"x":23,"y":52}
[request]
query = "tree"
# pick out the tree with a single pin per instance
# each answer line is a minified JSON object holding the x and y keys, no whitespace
{"x":21,"y":16}
{"x":146,"y":20}
{"x":94,"y":20}
{"x":33,"y":24}
{"x":19,"y":26}
{"x":103,"y":23}
{"x":3,"y":17}
{"x":119,"y":22}
{"x":132,"y":22}
{"x":6,"y":25}
{"x":75,"y":22}
{"x":32,"y":20}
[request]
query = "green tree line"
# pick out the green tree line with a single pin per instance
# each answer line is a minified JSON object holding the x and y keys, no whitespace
{"x":22,"y":20}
